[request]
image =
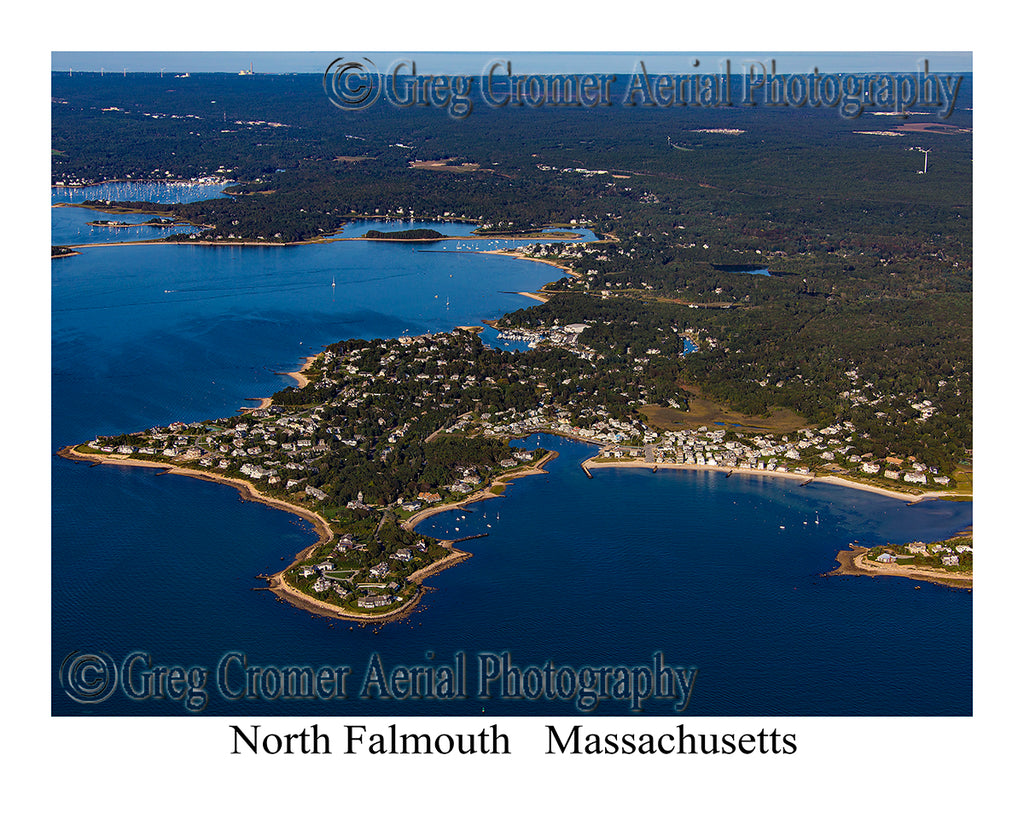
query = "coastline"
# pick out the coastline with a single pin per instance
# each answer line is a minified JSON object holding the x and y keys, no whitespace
{"x":299,"y":375}
{"x":277,"y":582}
{"x":300,"y":380}
{"x":512,"y":254}
{"x":277,"y":585}
{"x":315,"y":241}
{"x":247,"y":490}
{"x":853,"y":563}
{"x":480,"y":495}
{"x":590,"y":463}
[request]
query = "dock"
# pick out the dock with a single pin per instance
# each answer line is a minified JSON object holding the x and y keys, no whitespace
{"x":471,"y":537}
{"x":586,"y":471}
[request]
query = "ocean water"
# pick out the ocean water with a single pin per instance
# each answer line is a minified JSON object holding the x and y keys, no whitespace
{"x":153,"y":576}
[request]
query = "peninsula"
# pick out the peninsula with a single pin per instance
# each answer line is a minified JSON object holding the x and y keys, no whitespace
{"x":380,"y":434}
{"x":948,"y":562}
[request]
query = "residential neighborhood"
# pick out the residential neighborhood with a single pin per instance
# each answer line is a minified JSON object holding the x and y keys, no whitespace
{"x":386,"y":429}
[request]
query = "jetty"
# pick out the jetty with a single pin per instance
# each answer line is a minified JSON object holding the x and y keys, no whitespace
{"x":470,"y":537}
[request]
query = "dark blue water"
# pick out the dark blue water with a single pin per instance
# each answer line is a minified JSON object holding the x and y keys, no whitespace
{"x":585,"y":573}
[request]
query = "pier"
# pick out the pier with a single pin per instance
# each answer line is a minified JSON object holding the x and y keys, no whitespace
{"x":470,"y":537}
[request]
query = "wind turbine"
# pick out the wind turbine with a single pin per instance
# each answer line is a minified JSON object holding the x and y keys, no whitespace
{"x":926,"y":159}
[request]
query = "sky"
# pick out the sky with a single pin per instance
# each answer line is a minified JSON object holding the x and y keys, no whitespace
{"x":473,"y":62}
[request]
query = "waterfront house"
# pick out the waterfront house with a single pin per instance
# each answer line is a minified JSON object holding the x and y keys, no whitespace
{"x":374,"y":601}
{"x":318,"y":494}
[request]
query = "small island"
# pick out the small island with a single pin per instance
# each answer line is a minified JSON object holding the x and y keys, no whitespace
{"x":415,"y":235}
{"x":156,"y":221}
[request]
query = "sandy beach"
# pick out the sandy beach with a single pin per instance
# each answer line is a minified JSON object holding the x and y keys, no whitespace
{"x":483,"y":494}
{"x":590,"y":463}
{"x":854,"y":562}
{"x":277,"y":583}
{"x":299,"y":375}
{"x":247,"y":490}
{"x":515,"y":255}
{"x":300,"y":379}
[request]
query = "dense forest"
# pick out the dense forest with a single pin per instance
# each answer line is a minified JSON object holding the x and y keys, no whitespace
{"x":418,"y":234}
